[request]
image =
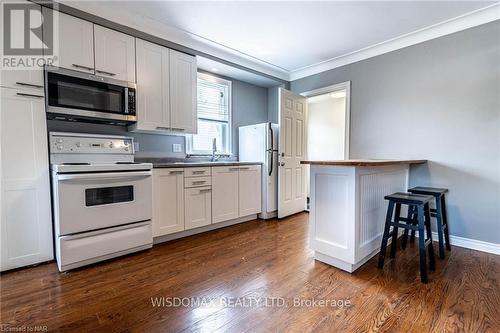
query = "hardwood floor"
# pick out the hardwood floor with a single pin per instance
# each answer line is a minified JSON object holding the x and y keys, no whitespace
{"x":245,"y":262}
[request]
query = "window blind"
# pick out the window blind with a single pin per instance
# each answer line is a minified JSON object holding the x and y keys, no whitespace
{"x":213,"y":101}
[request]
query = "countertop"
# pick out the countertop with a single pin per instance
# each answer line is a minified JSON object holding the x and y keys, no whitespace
{"x":362,"y":162}
{"x":158,"y":163}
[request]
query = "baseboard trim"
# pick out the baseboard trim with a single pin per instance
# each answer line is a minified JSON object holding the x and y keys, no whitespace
{"x":472,"y":244}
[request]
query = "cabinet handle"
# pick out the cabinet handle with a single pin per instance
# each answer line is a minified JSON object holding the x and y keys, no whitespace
{"x":198,"y":172}
{"x":162,"y":128}
{"x":205,"y":190}
{"x":177,"y":129}
{"x":176,"y":172}
{"x":84,"y":67}
{"x":29,"y":95}
{"x":234,"y":169}
{"x":244,"y":168}
{"x":29,"y":85}
{"x":104,"y":72}
{"x":199,"y":182}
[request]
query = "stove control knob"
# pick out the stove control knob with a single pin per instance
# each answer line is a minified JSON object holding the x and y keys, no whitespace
{"x":59,"y":147}
{"x":79,"y":144}
{"x":59,"y":140}
{"x":126,"y":149}
{"x":111,"y":145}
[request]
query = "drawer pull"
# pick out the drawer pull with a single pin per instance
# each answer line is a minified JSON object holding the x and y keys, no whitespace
{"x":234,"y":169}
{"x":199,"y":182}
{"x":200,"y":172}
{"x":105,"y":73}
{"x":205,"y":190}
{"x":29,"y":85}
{"x":177,"y":129}
{"x":176,"y":172}
{"x":84,"y":67}
{"x":244,"y":168}
{"x":29,"y":95}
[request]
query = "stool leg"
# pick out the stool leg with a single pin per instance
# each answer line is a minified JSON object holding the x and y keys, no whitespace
{"x":439,"y":219}
{"x":385,"y":236}
{"x":397,"y":215}
{"x":415,"y":217}
{"x":445,"y":222}
{"x":409,"y":219}
{"x":421,"y":244}
{"x":432,"y":258}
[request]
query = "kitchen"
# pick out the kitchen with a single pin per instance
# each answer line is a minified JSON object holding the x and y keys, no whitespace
{"x":148,"y":160}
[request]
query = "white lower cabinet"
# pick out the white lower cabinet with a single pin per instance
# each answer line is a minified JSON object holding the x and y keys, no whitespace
{"x":168,"y":201}
{"x":224,"y":193}
{"x":249,"y":194}
{"x":26,"y":223}
{"x":198,"y":207}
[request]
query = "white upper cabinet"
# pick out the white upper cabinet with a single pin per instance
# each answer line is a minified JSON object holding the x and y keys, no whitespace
{"x":26,"y":223}
{"x":183,"y":83}
{"x":31,"y":79}
{"x":153,"y":102}
{"x":224,"y":193}
{"x":168,"y":201}
{"x":250,"y":190}
{"x":114,"y":54}
{"x":75,"y":37}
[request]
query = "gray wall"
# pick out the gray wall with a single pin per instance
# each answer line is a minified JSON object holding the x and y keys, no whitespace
{"x":249,"y":106}
{"x":439,"y":100}
{"x":273,"y":104}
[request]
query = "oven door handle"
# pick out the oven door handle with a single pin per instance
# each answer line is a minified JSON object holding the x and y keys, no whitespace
{"x":107,"y":175}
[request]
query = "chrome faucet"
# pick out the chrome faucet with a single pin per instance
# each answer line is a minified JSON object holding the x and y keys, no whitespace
{"x":214,"y":149}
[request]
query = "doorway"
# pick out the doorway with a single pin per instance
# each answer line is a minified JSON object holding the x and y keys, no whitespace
{"x":327,"y":124}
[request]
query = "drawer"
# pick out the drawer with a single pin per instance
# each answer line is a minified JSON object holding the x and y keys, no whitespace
{"x":197,"y":182}
{"x":197,"y":172}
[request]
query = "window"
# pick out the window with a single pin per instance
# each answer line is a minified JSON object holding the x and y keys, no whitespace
{"x":214,"y":116}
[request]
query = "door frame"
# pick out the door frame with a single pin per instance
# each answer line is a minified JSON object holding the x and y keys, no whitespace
{"x":329,"y":89}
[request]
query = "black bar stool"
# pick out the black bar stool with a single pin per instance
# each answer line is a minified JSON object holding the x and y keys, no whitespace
{"x":439,"y":213}
{"x":417,"y":222}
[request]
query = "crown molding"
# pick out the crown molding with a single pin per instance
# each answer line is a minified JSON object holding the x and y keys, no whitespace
{"x":459,"y":23}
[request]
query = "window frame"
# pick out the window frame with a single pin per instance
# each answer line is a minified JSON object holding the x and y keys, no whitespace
{"x":189,"y":138}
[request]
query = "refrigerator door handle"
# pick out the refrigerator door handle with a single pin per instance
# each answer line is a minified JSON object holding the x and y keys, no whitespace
{"x":272,"y":136}
{"x":271,"y":162}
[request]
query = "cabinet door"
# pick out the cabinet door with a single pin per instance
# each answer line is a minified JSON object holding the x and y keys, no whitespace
{"x":224,"y":193}
{"x":153,"y":107}
{"x":168,"y":201}
{"x":197,"y":207}
{"x":250,"y":190}
{"x":75,"y":37}
{"x":22,"y":79}
{"x":114,"y":54}
{"x":26,"y":223}
{"x":183,"y":92}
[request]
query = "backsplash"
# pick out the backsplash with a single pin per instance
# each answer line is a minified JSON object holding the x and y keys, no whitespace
{"x":150,"y":145}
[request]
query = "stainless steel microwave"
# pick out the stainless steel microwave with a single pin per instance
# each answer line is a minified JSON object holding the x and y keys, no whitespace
{"x":77,"y":96}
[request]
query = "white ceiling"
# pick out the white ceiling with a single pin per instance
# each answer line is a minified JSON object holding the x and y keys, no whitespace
{"x":286,"y":36}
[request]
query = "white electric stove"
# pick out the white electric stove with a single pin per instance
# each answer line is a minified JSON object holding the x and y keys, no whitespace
{"x":101,"y":198}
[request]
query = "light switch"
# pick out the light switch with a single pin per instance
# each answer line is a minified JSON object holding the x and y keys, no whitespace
{"x":176,"y":148}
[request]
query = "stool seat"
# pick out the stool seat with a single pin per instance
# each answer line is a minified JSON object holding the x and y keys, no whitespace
{"x":409,"y":198}
{"x":434,"y":191}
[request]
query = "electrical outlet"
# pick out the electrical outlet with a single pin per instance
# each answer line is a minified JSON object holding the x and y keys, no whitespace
{"x":136,"y":146}
{"x":176,"y":148}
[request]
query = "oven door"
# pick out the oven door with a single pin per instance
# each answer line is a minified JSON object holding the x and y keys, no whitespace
{"x":87,"y":96}
{"x":90,"y":201}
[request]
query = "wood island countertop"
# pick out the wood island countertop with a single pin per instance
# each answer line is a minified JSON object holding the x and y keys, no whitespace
{"x":361,"y":162}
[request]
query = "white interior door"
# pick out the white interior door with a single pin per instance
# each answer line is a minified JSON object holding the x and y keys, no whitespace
{"x":292,"y":149}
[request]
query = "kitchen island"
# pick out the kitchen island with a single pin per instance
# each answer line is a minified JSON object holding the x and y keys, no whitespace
{"x":348,"y":207}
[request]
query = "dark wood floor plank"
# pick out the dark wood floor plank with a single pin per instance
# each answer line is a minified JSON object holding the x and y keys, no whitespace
{"x":256,"y":259}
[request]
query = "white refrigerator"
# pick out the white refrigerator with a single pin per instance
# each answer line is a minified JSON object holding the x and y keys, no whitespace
{"x":259,"y":143}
